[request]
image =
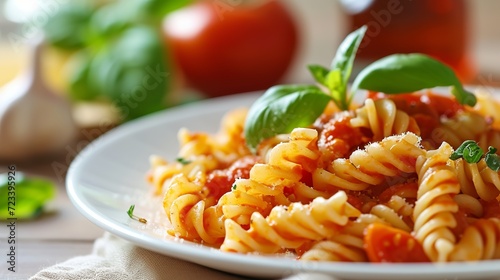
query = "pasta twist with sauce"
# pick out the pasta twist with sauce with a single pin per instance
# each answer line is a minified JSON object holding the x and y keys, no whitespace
{"x":315,"y":192}
{"x":480,"y":241}
{"x":384,"y":119}
{"x":396,"y":212}
{"x":346,"y":245}
{"x":477,"y":179}
{"x":368,"y":167}
{"x":463,"y":126}
{"x":289,"y":227}
{"x":184,"y":204}
{"x":202,"y":152}
{"x":434,"y":208}
{"x":265,"y":187}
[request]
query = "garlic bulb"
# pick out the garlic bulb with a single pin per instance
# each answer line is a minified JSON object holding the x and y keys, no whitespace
{"x":33,"y":120}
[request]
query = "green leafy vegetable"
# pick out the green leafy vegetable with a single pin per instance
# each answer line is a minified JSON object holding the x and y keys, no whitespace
{"x":118,"y":52}
{"x":68,"y":28}
{"x":403,"y":73}
{"x":281,"y":109}
{"x":470,"y":151}
{"x":473,"y":153}
{"x":183,"y":161}
{"x":130,"y":213}
{"x":337,"y":78}
{"x":459,"y":152}
{"x":31,"y":194}
{"x":492,"y":159}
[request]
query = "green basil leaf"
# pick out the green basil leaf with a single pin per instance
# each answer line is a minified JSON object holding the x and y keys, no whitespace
{"x":318,"y":72}
{"x":337,"y":88}
{"x":346,"y":52}
{"x":132,"y":72}
{"x":67,"y":29}
{"x":31,"y":195}
{"x":459,"y":152}
{"x":113,"y":18}
{"x":81,"y":86}
{"x":281,"y":109}
{"x":492,"y":159}
{"x":473,"y":153}
{"x":157,"y":9}
{"x":403,"y":73}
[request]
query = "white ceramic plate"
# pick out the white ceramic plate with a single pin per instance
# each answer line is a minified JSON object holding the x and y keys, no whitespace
{"x":109,"y":175}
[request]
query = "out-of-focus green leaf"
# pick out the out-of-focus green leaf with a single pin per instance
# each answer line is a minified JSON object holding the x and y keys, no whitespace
{"x":30,"y":194}
{"x":133,"y":73}
{"x":67,"y":29}
{"x":121,"y":55}
{"x":81,"y":86}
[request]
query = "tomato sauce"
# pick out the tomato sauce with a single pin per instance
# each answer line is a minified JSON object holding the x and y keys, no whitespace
{"x":220,"y":181}
{"x":338,"y":138}
{"x":426,"y":108}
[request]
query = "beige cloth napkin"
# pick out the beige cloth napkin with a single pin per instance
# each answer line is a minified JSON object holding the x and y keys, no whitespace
{"x":114,"y":258}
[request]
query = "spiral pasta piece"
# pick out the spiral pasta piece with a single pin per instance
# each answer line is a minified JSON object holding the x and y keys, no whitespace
{"x":480,"y":241}
{"x":396,"y":212}
{"x":329,"y":250}
{"x":346,"y":245}
{"x":192,"y":211}
{"x":463,"y":126}
{"x":487,"y":105}
{"x":201,"y":153}
{"x":491,"y":137}
{"x":477,"y":179}
{"x":284,"y":168}
{"x":290,"y":227}
{"x":470,"y":205}
{"x":434,"y":208}
{"x":384,"y":119}
{"x":364,"y":168}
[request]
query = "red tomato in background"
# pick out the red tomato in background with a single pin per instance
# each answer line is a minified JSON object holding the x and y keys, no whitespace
{"x":222,"y":49}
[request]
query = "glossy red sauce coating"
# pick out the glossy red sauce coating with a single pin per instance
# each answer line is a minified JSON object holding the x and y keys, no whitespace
{"x":338,"y":138}
{"x":426,"y":108}
{"x":220,"y":181}
{"x":404,"y":190}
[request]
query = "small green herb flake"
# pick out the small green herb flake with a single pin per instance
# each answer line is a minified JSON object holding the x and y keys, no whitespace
{"x":459,"y":152}
{"x":492,"y":159}
{"x":183,"y":161}
{"x":233,"y":187}
{"x":130,"y":213}
{"x":473,"y":153}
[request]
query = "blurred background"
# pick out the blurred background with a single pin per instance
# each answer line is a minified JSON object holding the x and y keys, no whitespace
{"x":79,"y":68}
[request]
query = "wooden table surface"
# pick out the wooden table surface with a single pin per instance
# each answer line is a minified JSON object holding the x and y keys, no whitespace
{"x":57,"y":235}
{"x":64,"y":233}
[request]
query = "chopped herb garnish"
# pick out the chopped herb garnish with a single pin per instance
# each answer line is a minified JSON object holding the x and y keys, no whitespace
{"x":492,"y":159}
{"x":472,"y":153}
{"x":130,"y":213}
{"x":183,"y":161}
{"x":459,"y":152}
{"x":233,"y":187}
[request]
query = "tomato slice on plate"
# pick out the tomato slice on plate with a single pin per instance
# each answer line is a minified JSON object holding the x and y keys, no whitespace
{"x":387,"y":244}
